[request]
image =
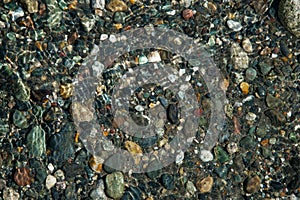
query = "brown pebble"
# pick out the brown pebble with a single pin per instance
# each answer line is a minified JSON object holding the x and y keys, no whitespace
{"x":72,"y":38}
{"x":133,"y":147}
{"x":22,"y":176}
{"x":205,"y":184}
{"x":66,"y":91}
{"x":187,"y":14}
{"x":253,"y":184}
{"x":117,"y":6}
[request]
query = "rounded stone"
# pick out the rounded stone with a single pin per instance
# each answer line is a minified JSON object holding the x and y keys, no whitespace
{"x":114,"y":183}
{"x":251,"y":74}
{"x":205,"y":184}
{"x":289,"y":14}
{"x":253,"y":184}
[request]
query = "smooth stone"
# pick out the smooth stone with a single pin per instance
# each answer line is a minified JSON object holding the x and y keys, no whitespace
{"x":190,"y":187}
{"x":172,"y":113}
{"x":221,"y":155}
{"x":32,"y":6}
{"x":247,"y":142}
{"x":235,"y":26}
{"x":88,"y":23}
{"x":265,"y":68}
{"x":50,"y":181}
{"x":154,"y":169}
{"x":273,"y":102}
{"x":20,"y":119}
{"x":253,"y":184}
{"x":114,"y":185}
{"x":205,"y":184}
{"x":119,"y":17}
{"x":251,"y":74}
{"x":22,"y":92}
{"x":98,"y":4}
{"x":289,"y":14}
{"x":206,"y":155}
{"x":277,"y":118}
{"x":222,"y":171}
{"x":36,"y":142}
{"x":168,"y":181}
{"x":247,"y":46}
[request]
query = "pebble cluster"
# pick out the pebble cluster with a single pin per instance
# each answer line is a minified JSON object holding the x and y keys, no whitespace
{"x":256,"y":46}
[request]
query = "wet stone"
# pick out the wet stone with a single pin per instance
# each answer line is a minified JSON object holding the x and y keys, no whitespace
{"x":50,"y":181}
{"x":10,"y":194}
{"x":221,"y":155}
{"x":119,"y":17}
{"x":36,"y":141}
{"x":22,"y":176}
{"x":116,"y":6}
{"x":273,"y":102}
{"x":247,"y":142}
{"x":277,"y":118}
{"x":172,"y":113}
{"x":190,"y":187}
{"x":222,"y":171}
{"x":20,"y":120}
{"x":206,"y":156}
{"x":168,"y":181}
{"x":253,"y":184}
{"x":114,"y":185}
{"x":234,"y":25}
{"x":251,"y":74}
{"x":154,"y":169}
{"x":265,"y":68}
{"x":205,"y":184}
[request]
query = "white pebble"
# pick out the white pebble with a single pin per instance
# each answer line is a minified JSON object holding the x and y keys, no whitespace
{"x":235,"y":26}
{"x":50,"y":181}
{"x":206,"y":155}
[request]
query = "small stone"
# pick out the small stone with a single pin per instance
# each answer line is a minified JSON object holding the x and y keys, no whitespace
{"x":251,"y":74}
{"x":96,"y":163}
{"x":133,"y":147}
{"x":289,"y":14}
{"x":205,"y":184}
{"x":17,"y":14}
{"x":98,"y":4}
{"x":206,"y":155}
{"x":265,"y":67}
{"x":22,"y":176}
{"x":172,"y":113}
{"x":273,"y":102}
{"x":119,"y":17}
{"x":139,"y":108}
{"x":247,"y":46}
{"x":168,"y":181}
{"x":87,"y":23}
{"x":187,"y":14}
{"x":239,"y":57}
{"x":190,"y":187}
{"x":10,"y":194}
{"x":59,"y":174}
{"x":66,"y":91}
{"x":154,"y":169}
{"x":32,"y":6}
{"x":22,"y":92}
{"x":245,"y":87}
{"x":253,"y":184}
{"x":220,"y":154}
{"x":116,"y":6}
{"x":232,"y":147}
{"x":50,"y":181}
{"x":235,"y":26}
{"x":277,"y":118}
{"x":154,"y":56}
{"x":98,"y":193}
{"x":36,"y":142}
{"x":20,"y":120}
{"x":114,"y":183}
{"x":142,"y":59}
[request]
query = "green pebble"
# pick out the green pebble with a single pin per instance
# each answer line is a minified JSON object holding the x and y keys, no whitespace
{"x":36,"y":142}
{"x":221,"y":154}
{"x":115,"y":185}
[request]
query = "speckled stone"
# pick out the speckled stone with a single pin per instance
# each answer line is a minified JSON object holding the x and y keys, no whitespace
{"x":115,"y":185}
{"x":289,"y":14}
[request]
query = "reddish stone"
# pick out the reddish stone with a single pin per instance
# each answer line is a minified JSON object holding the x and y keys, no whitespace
{"x":187,"y":14}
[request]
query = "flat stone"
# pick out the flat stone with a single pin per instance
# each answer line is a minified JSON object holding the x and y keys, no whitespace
{"x":253,"y":184}
{"x":50,"y":181}
{"x":205,"y":184}
{"x":206,"y":155}
{"x":114,"y":183}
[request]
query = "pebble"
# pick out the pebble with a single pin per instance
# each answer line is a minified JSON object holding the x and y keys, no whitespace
{"x":119,"y":17}
{"x":277,"y":118}
{"x":17,"y":14}
{"x":31,"y":5}
{"x":168,"y":181}
{"x":251,"y":74}
{"x":10,"y":194}
{"x":20,"y":120}
{"x":22,"y":176}
{"x":87,"y":23}
{"x":220,"y":154}
{"x":142,"y":59}
{"x":244,"y":86}
{"x":187,"y":14}
{"x":114,"y":183}
{"x":66,"y":90}
{"x":98,"y":193}
{"x":96,"y":163}
{"x":289,"y":14}
{"x":98,"y":4}
{"x":133,"y":147}
{"x":273,"y":102}
{"x":190,"y":187}
{"x":232,"y":147}
{"x":247,"y":46}
{"x":154,"y":56}
{"x":172,"y":113}
{"x":206,"y":155}
{"x":253,"y":184}
{"x":205,"y":184}
{"x":235,"y":26}
{"x":50,"y":181}
{"x":116,"y":6}
{"x":36,"y":143}
{"x":22,"y":92}
{"x":239,"y":57}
